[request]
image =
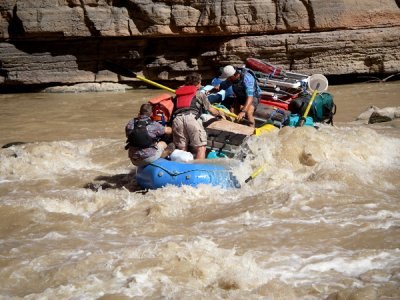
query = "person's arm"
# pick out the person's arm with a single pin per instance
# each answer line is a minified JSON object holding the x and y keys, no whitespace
{"x":245,"y":108}
{"x":223,"y":85}
{"x":129,"y":127}
{"x":208,"y":107}
{"x":157,"y":129}
{"x":249,"y":86}
{"x":216,"y":112}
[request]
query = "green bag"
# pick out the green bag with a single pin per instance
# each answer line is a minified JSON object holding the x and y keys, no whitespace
{"x":323,"y":108}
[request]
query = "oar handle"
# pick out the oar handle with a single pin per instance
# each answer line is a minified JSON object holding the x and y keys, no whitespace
{"x":225,"y":111}
{"x":128,"y":73}
{"x":304,"y":117}
{"x":254,"y":174}
{"x":155,"y":84}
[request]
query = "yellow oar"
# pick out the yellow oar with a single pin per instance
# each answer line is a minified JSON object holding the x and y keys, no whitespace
{"x":155,"y":84}
{"x":255,"y":174}
{"x":258,"y":131}
{"x":304,"y":117}
{"x":264,"y":129}
{"x":128,"y":73}
{"x":225,"y":111}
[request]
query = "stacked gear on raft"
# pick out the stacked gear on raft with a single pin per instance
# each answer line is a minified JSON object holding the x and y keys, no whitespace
{"x":286,"y":93}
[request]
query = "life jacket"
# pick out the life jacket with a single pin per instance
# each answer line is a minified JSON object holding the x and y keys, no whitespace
{"x":239,"y":88}
{"x":163,"y":106}
{"x":186,"y":100}
{"x":139,"y":136}
{"x":322,"y":110}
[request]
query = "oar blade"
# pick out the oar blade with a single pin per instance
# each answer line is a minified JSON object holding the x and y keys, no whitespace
{"x":118,"y":69}
{"x":255,"y":174}
{"x":264,"y":129}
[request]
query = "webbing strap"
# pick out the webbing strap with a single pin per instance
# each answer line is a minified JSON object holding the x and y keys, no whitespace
{"x":176,"y":173}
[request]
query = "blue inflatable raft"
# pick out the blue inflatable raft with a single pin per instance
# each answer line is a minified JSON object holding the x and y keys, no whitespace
{"x":163,"y":172}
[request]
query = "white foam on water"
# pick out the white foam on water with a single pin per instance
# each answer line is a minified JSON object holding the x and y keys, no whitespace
{"x":331,"y":268}
{"x":192,"y":266}
{"x":201,"y":263}
{"x":173,"y":201}
{"x":53,"y":236}
{"x":5,"y":181}
{"x":79,"y":202}
{"x":92,"y":274}
{"x":140,"y":247}
{"x":93,"y":287}
{"x":309,"y":162}
{"x":353,"y":147}
{"x":353,"y":264}
{"x":371,"y":205}
{"x":380,"y":215}
{"x":45,"y":160}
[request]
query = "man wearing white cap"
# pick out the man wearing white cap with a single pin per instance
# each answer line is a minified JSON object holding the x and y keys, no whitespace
{"x":246,"y":90}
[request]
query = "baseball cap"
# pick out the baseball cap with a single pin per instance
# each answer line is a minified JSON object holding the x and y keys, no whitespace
{"x":227,"y":71}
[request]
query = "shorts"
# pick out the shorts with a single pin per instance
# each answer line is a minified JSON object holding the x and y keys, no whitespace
{"x":256,"y":101}
{"x":145,"y":161}
{"x":187,"y":131}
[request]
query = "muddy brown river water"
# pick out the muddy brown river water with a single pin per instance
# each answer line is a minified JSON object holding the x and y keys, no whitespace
{"x":321,"y":222}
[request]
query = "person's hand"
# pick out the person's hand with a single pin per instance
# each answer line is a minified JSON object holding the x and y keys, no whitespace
{"x":222,"y":115}
{"x":241,"y":115}
{"x":216,"y":88}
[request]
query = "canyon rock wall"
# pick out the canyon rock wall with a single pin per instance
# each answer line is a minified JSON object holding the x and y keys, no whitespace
{"x":67,"y":41}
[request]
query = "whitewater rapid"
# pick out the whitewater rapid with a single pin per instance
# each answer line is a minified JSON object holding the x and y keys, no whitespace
{"x":321,"y":221}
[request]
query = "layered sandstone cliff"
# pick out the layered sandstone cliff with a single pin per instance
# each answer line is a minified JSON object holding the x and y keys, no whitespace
{"x":67,"y":41}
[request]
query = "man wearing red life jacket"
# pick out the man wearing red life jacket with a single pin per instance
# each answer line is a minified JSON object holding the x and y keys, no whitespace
{"x":187,"y":130}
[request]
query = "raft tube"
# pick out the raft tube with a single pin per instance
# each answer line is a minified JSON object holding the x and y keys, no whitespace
{"x":276,"y":104}
{"x":264,"y":67}
{"x":163,"y":172}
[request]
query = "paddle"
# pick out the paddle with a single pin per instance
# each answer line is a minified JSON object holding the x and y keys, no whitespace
{"x":304,"y":117}
{"x":258,"y":131}
{"x":225,"y":111}
{"x":265,"y":128}
{"x":255,"y":174}
{"x":118,"y":69}
{"x":316,"y":83}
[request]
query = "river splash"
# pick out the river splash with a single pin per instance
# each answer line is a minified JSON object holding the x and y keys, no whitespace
{"x":321,"y":221}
